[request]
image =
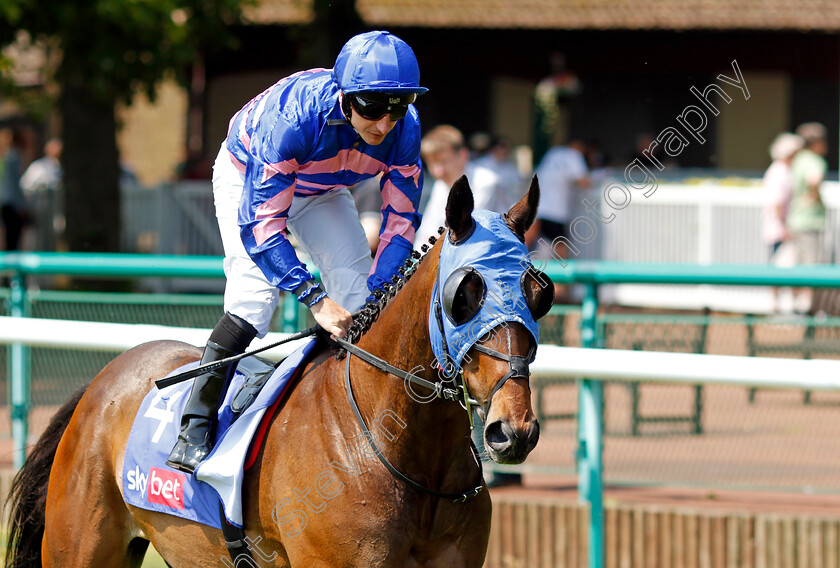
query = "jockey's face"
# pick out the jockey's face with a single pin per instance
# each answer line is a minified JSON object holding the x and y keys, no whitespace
{"x":372,"y":132}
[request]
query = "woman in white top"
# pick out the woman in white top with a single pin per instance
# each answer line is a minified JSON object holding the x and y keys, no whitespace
{"x":778,"y":188}
{"x":778,"y":185}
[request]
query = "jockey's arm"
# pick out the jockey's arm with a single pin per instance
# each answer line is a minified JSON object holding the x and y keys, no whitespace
{"x":401,"y":187}
{"x":263,"y":215}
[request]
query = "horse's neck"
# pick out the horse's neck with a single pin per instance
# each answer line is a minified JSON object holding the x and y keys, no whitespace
{"x":435,"y":431}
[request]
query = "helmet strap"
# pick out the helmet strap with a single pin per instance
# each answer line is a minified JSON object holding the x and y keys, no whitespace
{"x":345,"y":114}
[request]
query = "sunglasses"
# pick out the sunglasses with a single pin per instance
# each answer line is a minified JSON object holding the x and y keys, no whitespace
{"x":373,"y":106}
{"x":464,"y":292}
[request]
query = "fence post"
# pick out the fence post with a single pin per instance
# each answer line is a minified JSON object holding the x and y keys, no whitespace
{"x":590,"y":443}
{"x":19,"y":374}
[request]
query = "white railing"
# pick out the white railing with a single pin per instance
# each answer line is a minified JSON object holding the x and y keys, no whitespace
{"x":555,"y":362}
{"x":703,"y":223}
{"x":97,"y":336}
{"x":551,"y":362}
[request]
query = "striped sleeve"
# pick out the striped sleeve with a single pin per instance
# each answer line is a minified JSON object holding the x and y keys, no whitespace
{"x":401,"y":187}
{"x":275,"y":151}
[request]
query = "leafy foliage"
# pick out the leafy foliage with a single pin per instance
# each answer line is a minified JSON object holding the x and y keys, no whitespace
{"x":122,"y":46}
{"x":110,"y":51}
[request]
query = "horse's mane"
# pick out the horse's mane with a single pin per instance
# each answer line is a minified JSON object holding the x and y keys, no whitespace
{"x":371,"y":310}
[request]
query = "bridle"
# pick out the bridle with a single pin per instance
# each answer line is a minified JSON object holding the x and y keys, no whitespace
{"x":460,"y":394}
{"x":519,"y":369}
{"x":441,"y":391}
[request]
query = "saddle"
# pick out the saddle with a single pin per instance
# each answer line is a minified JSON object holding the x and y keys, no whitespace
{"x":256,"y":371}
{"x":256,"y":392}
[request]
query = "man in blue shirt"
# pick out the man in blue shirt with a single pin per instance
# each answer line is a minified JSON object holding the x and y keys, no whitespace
{"x":285,"y":166}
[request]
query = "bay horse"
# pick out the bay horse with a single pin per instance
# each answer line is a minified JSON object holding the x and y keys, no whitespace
{"x":67,"y":507}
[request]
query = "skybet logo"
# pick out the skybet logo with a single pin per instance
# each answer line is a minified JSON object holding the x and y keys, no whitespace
{"x":165,"y":487}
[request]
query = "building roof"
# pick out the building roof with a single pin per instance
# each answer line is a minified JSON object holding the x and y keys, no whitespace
{"x":280,"y":12}
{"x":802,"y":15}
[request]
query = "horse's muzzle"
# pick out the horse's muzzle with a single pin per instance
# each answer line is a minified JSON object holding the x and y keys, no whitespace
{"x":509,"y":446}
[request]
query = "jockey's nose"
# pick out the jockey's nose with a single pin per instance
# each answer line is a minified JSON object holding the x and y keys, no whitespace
{"x":383,"y":125}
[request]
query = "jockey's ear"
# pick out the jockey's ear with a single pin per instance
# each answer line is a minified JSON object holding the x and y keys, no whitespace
{"x":521,"y":216}
{"x":459,"y":208}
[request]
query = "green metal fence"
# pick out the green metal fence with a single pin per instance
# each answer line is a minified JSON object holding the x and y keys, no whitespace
{"x":575,"y":420}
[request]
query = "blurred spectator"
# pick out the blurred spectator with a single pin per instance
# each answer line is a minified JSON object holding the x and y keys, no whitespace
{"x":44,"y":174}
{"x":447,"y":158}
{"x":561,"y":170}
{"x":497,"y":158}
{"x":42,"y":187}
{"x":778,"y":188}
{"x":480,"y":143}
{"x":127,"y":176}
{"x":12,"y":203}
{"x":806,"y":219}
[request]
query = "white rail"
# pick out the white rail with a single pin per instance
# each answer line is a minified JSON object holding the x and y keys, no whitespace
{"x":98,"y":336}
{"x":552,"y":361}
{"x":654,"y":366}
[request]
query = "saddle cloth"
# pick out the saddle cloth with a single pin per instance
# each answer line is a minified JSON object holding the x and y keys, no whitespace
{"x":150,"y":484}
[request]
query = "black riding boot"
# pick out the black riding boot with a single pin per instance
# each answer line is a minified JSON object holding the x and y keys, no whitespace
{"x":198,"y":424}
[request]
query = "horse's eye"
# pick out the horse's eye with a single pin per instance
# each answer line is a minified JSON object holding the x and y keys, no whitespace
{"x":463,"y":294}
{"x":538,"y":290}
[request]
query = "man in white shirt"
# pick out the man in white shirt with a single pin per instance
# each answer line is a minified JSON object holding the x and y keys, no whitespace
{"x":446,"y":158}
{"x":497,"y":158}
{"x":41,"y":184}
{"x":561,"y":170}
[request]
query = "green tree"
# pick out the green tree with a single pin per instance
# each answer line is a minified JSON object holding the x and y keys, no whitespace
{"x":111,"y":50}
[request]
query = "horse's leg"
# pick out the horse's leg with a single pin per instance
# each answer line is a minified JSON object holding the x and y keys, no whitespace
{"x":137,"y":552}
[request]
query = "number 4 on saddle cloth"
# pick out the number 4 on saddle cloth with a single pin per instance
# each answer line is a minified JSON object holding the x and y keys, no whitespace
{"x":149,"y":484}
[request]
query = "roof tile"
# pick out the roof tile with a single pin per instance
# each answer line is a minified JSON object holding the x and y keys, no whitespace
{"x":804,"y":15}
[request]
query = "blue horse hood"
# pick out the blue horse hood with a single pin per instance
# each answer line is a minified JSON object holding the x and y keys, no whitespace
{"x":501,"y":259}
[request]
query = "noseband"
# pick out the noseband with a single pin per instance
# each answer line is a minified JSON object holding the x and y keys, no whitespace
{"x":519,"y":369}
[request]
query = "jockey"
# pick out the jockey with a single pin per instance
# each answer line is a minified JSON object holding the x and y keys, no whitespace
{"x":289,"y":157}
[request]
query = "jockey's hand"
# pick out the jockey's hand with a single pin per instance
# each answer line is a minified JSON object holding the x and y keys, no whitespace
{"x":332,"y":317}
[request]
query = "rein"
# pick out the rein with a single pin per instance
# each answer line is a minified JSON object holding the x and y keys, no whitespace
{"x":518,"y":368}
{"x":441,"y":392}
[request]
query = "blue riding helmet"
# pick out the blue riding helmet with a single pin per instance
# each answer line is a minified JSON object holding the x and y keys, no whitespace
{"x":380,"y":62}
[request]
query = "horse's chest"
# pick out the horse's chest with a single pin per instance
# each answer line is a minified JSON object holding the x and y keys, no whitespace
{"x":452,"y":536}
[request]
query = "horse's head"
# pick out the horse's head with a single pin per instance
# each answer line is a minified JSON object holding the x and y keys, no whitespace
{"x":486,"y":300}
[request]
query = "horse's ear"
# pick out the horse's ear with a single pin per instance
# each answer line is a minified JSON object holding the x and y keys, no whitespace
{"x":521,"y":216}
{"x":459,"y":208}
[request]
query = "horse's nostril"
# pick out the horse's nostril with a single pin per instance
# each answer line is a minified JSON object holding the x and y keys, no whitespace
{"x":496,"y":435}
{"x":533,"y":435}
